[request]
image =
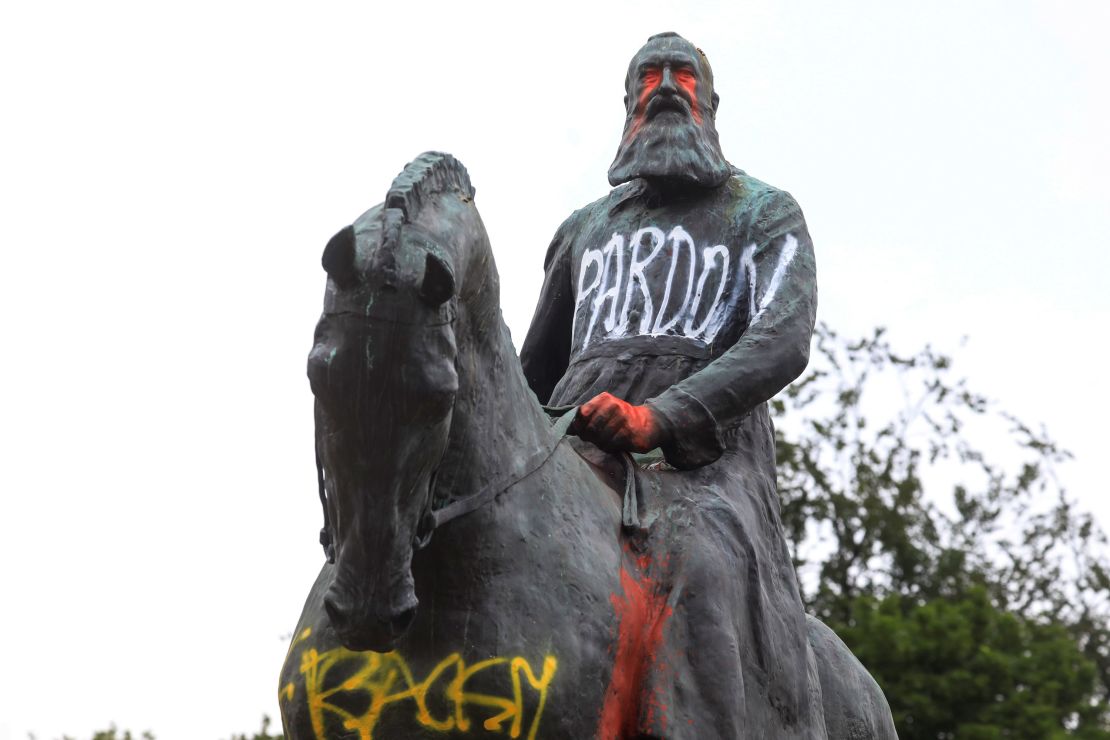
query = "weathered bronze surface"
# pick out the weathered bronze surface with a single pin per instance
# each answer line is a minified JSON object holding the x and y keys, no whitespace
{"x":486,"y":577}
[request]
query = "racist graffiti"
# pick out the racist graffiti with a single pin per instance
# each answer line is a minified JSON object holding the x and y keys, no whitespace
{"x":369,"y":684}
{"x":657,"y":282}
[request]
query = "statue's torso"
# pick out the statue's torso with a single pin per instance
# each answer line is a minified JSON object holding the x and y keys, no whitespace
{"x":659,"y":285}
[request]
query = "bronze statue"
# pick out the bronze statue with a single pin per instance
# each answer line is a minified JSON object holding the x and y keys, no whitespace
{"x":487,"y":578}
{"x":672,"y":310}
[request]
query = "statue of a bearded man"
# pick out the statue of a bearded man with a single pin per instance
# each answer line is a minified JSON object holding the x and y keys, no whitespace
{"x":672,"y":310}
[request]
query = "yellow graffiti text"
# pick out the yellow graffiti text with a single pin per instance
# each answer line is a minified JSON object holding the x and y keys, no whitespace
{"x":386,"y":679}
{"x":288,"y":691}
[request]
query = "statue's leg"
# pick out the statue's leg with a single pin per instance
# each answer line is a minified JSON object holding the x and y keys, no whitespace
{"x":734,"y":661}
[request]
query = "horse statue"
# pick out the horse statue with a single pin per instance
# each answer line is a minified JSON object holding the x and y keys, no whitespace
{"x":477,"y":580}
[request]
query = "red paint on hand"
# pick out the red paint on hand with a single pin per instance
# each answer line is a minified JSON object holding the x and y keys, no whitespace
{"x":642,"y":611}
{"x":617,"y":426}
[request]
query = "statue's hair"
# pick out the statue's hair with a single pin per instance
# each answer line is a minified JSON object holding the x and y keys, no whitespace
{"x":425,"y":176}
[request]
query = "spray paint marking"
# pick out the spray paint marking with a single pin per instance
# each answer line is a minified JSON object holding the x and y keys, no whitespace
{"x":642,"y":612}
{"x":385,"y":679}
{"x":789,"y":248}
{"x":651,"y":79}
{"x":615,"y":303}
{"x":604,"y":286}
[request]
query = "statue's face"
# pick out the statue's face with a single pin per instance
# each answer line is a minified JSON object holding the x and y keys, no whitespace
{"x":666,"y":79}
{"x":669,"y":133}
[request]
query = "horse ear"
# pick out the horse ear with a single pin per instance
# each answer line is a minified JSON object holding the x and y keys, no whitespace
{"x":339,"y":258}
{"x":439,"y":283}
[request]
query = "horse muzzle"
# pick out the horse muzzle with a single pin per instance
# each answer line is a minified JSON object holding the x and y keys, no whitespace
{"x":359,"y":626}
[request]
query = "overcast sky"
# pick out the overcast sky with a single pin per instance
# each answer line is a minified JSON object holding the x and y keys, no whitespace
{"x":171,"y":172}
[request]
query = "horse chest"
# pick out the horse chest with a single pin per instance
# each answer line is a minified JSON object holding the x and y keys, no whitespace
{"x":485,"y":657}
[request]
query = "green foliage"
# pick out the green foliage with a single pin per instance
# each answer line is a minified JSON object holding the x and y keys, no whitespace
{"x":962,"y":575}
{"x":966,"y":669}
{"x":114,"y":734}
{"x":262,"y":734}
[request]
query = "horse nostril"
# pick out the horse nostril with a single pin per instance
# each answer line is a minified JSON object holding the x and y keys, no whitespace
{"x":401,"y":621}
{"x":335,"y":613}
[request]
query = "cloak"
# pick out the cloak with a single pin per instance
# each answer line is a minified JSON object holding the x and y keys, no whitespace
{"x":700,"y":303}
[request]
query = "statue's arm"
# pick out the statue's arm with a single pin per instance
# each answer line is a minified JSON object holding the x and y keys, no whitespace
{"x":772,"y":351}
{"x":546,"y":350}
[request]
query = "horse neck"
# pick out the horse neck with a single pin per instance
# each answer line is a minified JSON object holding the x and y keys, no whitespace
{"x":497,"y":422}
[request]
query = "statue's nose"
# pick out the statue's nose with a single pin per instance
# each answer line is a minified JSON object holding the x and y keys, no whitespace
{"x":667,"y":84}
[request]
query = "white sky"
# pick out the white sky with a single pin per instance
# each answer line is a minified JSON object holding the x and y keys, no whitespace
{"x":171,"y":172}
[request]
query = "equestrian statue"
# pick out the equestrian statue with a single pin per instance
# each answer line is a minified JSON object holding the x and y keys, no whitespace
{"x":583,"y":542}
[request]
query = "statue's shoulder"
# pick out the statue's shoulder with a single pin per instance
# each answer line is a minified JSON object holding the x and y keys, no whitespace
{"x":745,"y":187}
{"x":613,"y":200}
{"x":754,"y":201}
{"x":599,"y":211}
{"x":577,"y":223}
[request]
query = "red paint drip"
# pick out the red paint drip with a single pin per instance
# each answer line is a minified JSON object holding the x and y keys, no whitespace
{"x":641,"y":612}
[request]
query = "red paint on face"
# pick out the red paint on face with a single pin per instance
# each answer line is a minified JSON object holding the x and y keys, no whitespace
{"x":642,"y":612}
{"x":650,"y":80}
{"x":688,"y":81}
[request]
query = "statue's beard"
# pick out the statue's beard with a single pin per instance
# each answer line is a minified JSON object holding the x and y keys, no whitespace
{"x":670,"y":146}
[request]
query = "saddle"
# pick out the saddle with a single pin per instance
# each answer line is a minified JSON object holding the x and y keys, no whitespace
{"x":625,"y":473}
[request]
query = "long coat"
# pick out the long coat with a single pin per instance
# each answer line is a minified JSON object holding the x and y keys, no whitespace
{"x":700,"y":303}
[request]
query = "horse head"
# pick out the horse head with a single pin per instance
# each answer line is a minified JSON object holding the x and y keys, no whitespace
{"x":383,"y":372}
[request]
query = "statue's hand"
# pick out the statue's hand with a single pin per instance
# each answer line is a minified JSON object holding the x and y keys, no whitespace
{"x":618,"y":426}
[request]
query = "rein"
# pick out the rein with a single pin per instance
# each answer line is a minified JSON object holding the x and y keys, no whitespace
{"x":325,"y":531}
{"x":435,"y":518}
{"x":432,"y":519}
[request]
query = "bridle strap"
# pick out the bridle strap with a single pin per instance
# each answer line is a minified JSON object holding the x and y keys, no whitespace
{"x":325,"y":533}
{"x":432,"y":519}
{"x":630,"y":519}
{"x":438,"y":517}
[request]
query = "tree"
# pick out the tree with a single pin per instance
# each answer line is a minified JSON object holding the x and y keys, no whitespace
{"x":262,"y":734}
{"x":966,"y":580}
{"x":114,"y":734}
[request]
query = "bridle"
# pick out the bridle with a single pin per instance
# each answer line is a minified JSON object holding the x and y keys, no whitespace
{"x":326,"y":540}
{"x":432,"y":518}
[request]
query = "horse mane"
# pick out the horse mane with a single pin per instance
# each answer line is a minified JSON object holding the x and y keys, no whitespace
{"x":429,"y":174}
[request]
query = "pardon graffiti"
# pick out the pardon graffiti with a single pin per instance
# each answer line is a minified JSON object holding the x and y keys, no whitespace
{"x":373,"y":683}
{"x":657,"y":282}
